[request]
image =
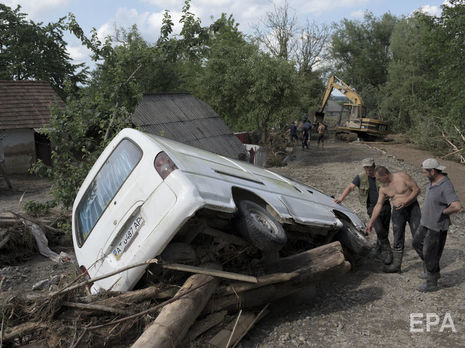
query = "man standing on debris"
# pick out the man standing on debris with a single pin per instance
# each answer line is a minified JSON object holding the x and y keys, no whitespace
{"x":307,"y":128}
{"x":368,"y":194}
{"x":402,"y":190}
{"x":440,"y":202}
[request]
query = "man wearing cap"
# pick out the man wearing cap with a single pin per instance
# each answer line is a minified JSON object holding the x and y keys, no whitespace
{"x":440,"y":202}
{"x":368,"y":194}
{"x":402,"y":190}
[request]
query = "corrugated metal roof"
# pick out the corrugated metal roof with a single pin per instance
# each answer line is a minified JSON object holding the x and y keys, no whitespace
{"x":26,"y":104}
{"x":184,"y":118}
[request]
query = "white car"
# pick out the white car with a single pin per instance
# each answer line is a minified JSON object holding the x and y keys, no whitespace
{"x":145,"y":190}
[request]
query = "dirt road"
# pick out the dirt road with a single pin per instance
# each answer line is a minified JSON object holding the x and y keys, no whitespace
{"x":367,"y":307}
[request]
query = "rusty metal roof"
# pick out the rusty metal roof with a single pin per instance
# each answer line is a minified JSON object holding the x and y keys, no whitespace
{"x":184,"y":118}
{"x":26,"y":104}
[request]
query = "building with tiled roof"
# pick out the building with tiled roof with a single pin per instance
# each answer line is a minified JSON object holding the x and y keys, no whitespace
{"x":24,"y":110}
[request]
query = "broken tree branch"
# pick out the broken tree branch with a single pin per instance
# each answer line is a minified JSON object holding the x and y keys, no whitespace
{"x":94,"y":307}
{"x":84,"y":283}
{"x":35,"y":221}
{"x":257,"y":318}
{"x":234,"y":328}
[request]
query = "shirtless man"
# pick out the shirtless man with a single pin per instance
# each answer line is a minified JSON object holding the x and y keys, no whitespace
{"x":402,"y":190}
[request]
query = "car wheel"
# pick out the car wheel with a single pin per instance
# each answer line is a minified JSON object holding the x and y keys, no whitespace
{"x":259,"y":227}
{"x":353,"y":239}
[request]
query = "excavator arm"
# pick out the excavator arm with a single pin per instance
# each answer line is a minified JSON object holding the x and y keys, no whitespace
{"x":356,"y":101}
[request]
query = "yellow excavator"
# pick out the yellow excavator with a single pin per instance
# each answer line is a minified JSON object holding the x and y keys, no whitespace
{"x":365,"y":127}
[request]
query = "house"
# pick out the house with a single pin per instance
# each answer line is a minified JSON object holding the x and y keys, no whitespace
{"x":184,"y":118}
{"x":24,"y":110}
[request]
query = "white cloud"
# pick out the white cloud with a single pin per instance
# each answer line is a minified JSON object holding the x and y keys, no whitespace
{"x":318,"y":7}
{"x":148,"y":23}
{"x":35,"y":8}
{"x":357,"y":14}
{"x":78,"y":53}
{"x":431,"y":10}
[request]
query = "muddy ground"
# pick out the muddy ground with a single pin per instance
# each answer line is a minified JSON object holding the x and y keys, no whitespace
{"x":366,"y":307}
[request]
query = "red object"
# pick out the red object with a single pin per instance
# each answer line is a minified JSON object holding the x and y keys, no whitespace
{"x":243,"y":137}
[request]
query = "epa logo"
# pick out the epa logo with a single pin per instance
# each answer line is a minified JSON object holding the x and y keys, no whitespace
{"x":420,"y":322}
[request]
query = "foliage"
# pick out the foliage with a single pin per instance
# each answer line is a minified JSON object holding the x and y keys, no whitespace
{"x":31,"y":50}
{"x":424,"y":94}
{"x":360,"y":51}
{"x":35,"y":208}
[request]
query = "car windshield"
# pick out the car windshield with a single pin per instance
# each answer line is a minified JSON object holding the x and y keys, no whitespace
{"x":105,"y":185}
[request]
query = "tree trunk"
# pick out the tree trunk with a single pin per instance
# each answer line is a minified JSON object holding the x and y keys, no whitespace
{"x":175,"y":319}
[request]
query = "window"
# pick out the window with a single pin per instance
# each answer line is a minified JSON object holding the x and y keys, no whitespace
{"x":105,"y":185}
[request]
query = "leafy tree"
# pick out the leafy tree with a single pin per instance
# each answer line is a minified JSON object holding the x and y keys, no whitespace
{"x":360,"y":51}
{"x":31,"y":50}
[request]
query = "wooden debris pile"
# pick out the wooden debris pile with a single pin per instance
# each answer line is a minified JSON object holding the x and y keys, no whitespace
{"x":208,"y":307}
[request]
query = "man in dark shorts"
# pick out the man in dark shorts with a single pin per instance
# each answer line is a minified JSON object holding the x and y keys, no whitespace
{"x":440,"y":202}
{"x":402,"y":190}
{"x":368,"y":195}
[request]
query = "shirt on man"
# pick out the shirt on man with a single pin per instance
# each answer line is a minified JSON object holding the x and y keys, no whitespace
{"x":372,"y":190}
{"x":438,"y":197}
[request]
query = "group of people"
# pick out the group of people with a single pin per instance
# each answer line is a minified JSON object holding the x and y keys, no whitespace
{"x":305,"y":128}
{"x":379,"y":189}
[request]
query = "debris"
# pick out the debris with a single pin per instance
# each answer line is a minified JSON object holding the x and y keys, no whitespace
{"x":175,"y":319}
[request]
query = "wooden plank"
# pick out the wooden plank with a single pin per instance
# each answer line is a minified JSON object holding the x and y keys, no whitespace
{"x":221,"y":339}
{"x":205,"y":324}
{"x":209,"y":271}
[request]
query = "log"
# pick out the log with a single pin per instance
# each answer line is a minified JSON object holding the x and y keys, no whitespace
{"x":175,"y":319}
{"x":315,"y":259}
{"x":311,"y":265}
{"x":268,"y":279}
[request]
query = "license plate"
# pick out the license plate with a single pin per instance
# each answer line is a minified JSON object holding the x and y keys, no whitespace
{"x":128,"y":237}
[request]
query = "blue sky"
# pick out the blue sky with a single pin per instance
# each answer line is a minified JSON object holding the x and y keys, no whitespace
{"x":104,"y":15}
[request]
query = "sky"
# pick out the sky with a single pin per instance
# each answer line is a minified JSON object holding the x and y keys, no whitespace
{"x":105,"y":15}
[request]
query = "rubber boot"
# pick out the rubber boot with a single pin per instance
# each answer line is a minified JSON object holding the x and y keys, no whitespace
{"x":394,"y":267}
{"x":386,"y":253}
{"x":431,"y":283}
{"x":425,"y":272}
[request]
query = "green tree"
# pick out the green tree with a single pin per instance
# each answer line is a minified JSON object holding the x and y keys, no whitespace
{"x":31,"y":50}
{"x":360,"y":51}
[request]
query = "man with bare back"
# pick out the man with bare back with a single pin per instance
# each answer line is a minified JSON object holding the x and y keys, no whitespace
{"x":402,"y":190}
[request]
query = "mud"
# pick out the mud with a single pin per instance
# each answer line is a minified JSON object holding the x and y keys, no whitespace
{"x":367,"y":307}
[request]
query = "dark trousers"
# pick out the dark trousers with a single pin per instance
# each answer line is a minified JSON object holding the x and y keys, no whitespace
{"x":381,"y":224}
{"x":400,"y":217}
{"x":305,"y":139}
{"x":429,"y":245}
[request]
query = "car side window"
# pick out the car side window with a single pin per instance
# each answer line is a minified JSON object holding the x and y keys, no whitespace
{"x":105,"y":185}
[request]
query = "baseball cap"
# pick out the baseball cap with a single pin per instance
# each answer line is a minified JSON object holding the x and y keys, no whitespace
{"x":368,"y":162}
{"x":432,"y":163}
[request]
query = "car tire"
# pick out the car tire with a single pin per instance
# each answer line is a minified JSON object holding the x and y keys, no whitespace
{"x":259,"y":227}
{"x":353,"y":240}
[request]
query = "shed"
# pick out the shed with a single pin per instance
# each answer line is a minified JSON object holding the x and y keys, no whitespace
{"x":24,"y":110}
{"x":184,"y":118}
